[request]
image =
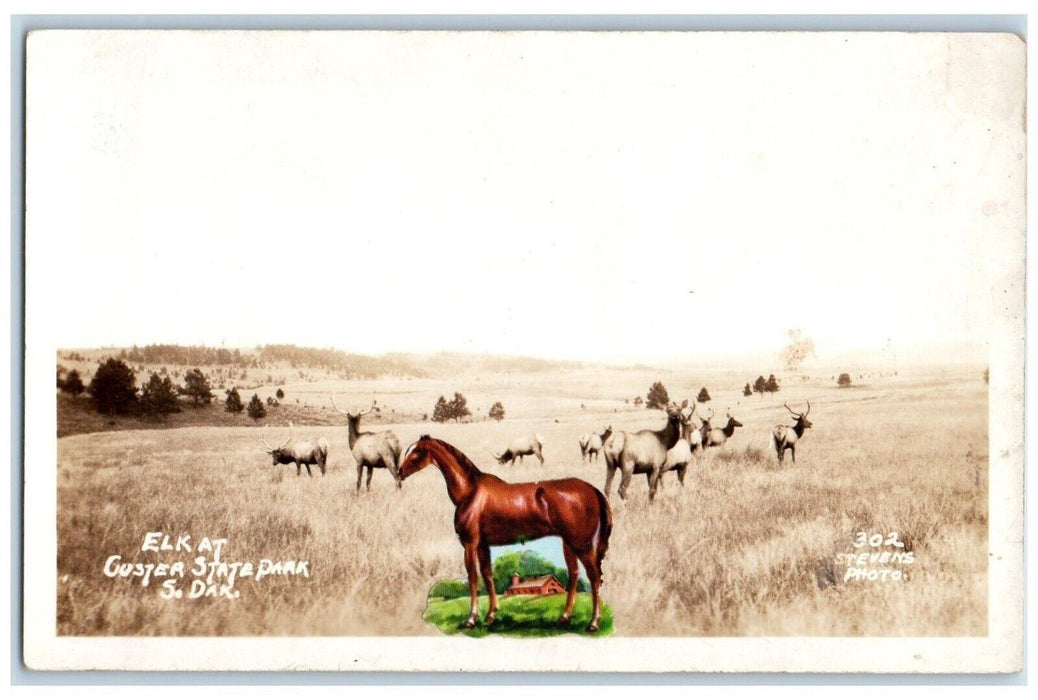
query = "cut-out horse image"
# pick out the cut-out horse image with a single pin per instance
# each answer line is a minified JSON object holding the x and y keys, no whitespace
{"x":492,"y":512}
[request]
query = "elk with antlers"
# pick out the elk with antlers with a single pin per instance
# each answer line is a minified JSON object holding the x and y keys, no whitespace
{"x":302,"y":452}
{"x":371,"y":450}
{"x":643,"y":452}
{"x":717,"y":437}
{"x":784,"y":437}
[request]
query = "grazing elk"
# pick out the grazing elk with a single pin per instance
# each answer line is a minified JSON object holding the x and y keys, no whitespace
{"x":784,"y":437}
{"x":591,"y":443}
{"x":520,"y":447}
{"x":716,"y":437}
{"x":302,"y":452}
{"x":643,"y":452}
{"x":371,"y":450}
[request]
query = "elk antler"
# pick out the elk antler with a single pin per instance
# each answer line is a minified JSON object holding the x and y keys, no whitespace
{"x":808,"y":408}
{"x":336,"y":406}
{"x":791,"y":410}
{"x":366,"y":411}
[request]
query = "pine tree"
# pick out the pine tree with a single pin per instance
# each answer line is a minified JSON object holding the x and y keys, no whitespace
{"x":114,"y":388}
{"x":233,"y":403}
{"x":657,"y":396}
{"x":196,"y":385}
{"x":703,"y":396}
{"x":159,"y":397}
{"x":772,"y":385}
{"x":844,"y":381}
{"x":441,"y":412}
{"x":73,"y":384}
{"x":256,"y":408}
{"x":760,"y":386}
{"x":497,"y":411}
{"x":746,"y":390}
{"x":459,"y":407}
{"x":280,"y":394}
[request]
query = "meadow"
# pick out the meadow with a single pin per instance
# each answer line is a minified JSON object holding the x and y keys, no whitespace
{"x":748,"y":546}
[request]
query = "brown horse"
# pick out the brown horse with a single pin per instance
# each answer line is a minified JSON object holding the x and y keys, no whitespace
{"x":491,"y":511}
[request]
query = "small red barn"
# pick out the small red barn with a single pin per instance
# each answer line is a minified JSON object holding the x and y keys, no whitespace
{"x":541,"y":585}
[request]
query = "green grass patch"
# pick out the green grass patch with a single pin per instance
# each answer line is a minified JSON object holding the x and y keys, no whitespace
{"x":519,"y":616}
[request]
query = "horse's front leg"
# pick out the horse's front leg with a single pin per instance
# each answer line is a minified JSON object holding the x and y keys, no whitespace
{"x":487,"y":570}
{"x":472,"y":567}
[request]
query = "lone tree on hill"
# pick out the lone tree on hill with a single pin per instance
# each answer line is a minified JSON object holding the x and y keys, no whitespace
{"x":844,"y":381}
{"x":233,"y":402}
{"x":196,"y":385}
{"x":73,"y":384}
{"x":760,"y":386}
{"x":256,"y":409}
{"x":772,"y":385}
{"x":114,"y":388}
{"x":799,"y":349}
{"x":497,"y":411}
{"x":746,"y":390}
{"x":459,"y":407}
{"x":703,"y":396}
{"x":159,"y":397}
{"x":657,"y":396}
{"x":441,"y":412}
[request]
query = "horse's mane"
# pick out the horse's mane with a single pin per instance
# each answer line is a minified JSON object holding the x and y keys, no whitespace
{"x":459,"y":456}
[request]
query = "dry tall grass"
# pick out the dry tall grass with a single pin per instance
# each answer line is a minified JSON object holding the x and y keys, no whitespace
{"x":747,"y":547}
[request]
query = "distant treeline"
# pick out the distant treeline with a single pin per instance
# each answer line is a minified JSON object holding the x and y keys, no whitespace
{"x":346,"y":365}
{"x":343,"y":363}
{"x":194,"y":355}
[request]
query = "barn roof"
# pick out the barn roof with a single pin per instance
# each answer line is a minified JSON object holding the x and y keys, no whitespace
{"x":538,"y":581}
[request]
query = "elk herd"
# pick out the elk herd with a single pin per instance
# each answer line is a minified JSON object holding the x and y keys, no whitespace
{"x":649,"y":452}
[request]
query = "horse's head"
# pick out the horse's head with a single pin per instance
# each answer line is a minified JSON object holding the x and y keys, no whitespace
{"x":415,"y":458}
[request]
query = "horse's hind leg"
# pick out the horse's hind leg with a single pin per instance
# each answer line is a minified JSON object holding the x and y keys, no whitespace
{"x":472,"y":567}
{"x":594,"y":574}
{"x":487,"y":570}
{"x":571,"y":589}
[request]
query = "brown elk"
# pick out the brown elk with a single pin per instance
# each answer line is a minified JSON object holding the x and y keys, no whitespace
{"x":371,"y":450}
{"x":716,"y":437}
{"x":784,"y":437}
{"x":643,"y":452}
{"x":521,"y":447}
{"x":302,"y":452}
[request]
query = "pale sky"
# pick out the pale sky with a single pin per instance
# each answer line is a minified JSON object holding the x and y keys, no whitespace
{"x":588,"y":196}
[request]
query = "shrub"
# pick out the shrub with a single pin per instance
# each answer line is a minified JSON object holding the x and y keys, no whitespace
{"x":280,"y":394}
{"x":497,"y":411}
{"x":844,"y":381}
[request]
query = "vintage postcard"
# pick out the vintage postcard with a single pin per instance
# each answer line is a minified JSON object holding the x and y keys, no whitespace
{"x":542,"y":351}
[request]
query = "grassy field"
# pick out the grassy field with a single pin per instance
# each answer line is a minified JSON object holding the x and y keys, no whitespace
{"x":519,"y":616}
{"x":747,"y":547}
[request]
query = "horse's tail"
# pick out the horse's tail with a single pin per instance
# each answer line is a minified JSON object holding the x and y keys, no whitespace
{"x":604,"y":529}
